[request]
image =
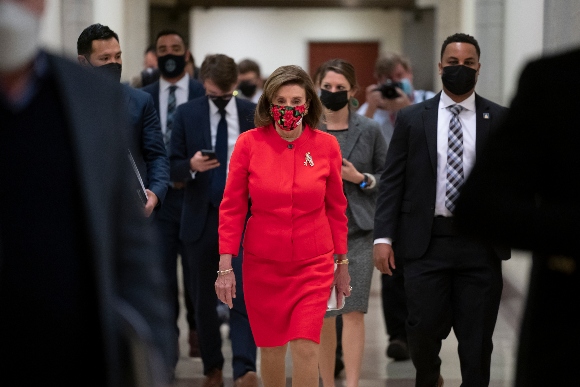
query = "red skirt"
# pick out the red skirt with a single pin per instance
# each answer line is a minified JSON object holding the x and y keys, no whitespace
{"x":286,"y":300}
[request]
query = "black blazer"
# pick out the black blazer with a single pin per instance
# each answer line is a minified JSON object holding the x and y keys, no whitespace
{"x":126,"y":264}
{"x":191,"y":133}
{"x":406,"y":203}
{"x":195,"y":90}
{"x":525,"y":191}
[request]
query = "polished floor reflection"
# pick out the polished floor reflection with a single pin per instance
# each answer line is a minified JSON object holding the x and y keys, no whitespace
{"x":377,"y":369}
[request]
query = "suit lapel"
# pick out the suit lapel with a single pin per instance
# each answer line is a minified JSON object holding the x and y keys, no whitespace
{"x":430,"y":116}
{"x":481,"y":124}
{"x":206,"y":123}
{"x":354,"y":132}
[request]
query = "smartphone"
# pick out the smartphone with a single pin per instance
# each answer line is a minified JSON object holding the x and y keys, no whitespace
{"x":210,"y":153}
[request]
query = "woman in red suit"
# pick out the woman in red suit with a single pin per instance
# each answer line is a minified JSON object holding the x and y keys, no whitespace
{"x":292,"y":173}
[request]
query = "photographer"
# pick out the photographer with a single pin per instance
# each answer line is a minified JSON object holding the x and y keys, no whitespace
{"x":393,"y":92}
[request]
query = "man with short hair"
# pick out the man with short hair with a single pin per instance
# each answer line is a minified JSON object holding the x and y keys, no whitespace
{"x":249,"y":80}
{"x":150,"y":72}
{"x":174,"y":88}
{"x":98,"y":48}
{"x":382,"y":106}
{"x":451,"y":281}
{"x":212,"y":123}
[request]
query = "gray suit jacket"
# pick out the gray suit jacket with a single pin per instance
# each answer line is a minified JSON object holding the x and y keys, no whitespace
{"x":366,"y":148}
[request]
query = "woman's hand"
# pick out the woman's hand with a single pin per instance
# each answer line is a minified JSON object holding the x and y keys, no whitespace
{"x":350,"y":173}
{"x":225,"y":284}
{"x":342,"y":280}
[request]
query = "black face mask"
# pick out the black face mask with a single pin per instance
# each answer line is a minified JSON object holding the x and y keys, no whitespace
{"x":111,"y":70}
{"x":247,"y":88}
{"x":171,"y":65}
{"x":458,"y":79}
{"x":334,"y":101}
{"x":220,"y":101}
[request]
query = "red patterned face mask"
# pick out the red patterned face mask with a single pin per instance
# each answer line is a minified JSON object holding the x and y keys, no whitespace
{"x":287,"y":117}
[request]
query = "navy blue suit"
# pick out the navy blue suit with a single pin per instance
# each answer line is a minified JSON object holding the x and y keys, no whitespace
{"x":199,"y":232}
{"x":168,"y":220}
{"x":146,"y":139}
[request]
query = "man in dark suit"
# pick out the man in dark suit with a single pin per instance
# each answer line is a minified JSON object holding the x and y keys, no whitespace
{"x":98,"y":47}
{"x":79,"y":267}
{"x":212,"y":123}
{"x":174,"y":88}
{"x":524,"y":193}
{"x":450,"y":281}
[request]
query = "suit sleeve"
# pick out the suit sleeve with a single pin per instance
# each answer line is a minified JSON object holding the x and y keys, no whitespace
{"x":154,"y":151}
{"x":178,"y":156}
{"x":335,"y":201}
{"x":234,"y":205}
{"x":392,"y":180}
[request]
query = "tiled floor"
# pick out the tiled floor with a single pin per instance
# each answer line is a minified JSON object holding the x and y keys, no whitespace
{"x":380,"y":371}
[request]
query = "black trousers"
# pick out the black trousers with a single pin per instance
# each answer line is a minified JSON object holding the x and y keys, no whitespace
{"x":456,"y":284}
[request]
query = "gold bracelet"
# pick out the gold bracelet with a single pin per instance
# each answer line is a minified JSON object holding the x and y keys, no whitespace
{"x":342,"y":262}
{"x":224,"y":272}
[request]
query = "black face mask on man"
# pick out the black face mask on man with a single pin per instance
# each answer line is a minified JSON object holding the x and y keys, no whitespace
{"x":334,"y":101}
{"x":112,"y":70}
{"x":171,"y":65}
{"x":458,"y":79}
{"x":220,"y":101}
{"x":247,"y":88}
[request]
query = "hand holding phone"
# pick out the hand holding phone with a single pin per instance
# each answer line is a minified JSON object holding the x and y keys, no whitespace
{"x":210,"y":153}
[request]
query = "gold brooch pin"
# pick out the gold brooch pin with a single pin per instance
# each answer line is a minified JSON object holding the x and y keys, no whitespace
{"x":309,"y":160}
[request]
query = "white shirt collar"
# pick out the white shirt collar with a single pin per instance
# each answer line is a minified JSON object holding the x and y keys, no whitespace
{"x":468,"y":104}
{"x":183,"y":83}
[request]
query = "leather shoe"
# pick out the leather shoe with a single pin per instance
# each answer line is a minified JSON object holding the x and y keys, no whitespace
{"x":440,"y":381}
{"x":249,"y":379}
{"x":194,"y":344}
{"x":398,"y":350}
{"x":214,"y":379}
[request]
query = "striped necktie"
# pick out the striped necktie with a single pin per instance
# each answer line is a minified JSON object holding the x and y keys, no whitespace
{"x":455,"y":175}
{"x":171,"y":107}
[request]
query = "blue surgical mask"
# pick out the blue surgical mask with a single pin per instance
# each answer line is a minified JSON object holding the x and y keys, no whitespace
{"x":406,"y":86}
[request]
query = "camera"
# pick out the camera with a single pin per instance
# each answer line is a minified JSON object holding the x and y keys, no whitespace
{"x":388,"y":89}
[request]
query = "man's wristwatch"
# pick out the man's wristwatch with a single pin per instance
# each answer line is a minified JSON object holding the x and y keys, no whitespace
{"x":365,"y":182}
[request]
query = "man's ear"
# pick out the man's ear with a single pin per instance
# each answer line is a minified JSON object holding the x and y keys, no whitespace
{"x":83,"y":60}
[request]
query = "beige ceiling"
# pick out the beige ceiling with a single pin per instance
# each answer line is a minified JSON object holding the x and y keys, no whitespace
{"x":405,"y":4}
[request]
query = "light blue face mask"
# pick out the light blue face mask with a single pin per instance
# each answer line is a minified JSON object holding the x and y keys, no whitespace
{"x":406,"y":86}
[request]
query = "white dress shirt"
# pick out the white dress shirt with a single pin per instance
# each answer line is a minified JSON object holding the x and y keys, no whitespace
{"x":467,"y":120}
{"x":181,"y":96}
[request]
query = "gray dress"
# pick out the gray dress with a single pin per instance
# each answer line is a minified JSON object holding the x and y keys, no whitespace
{"x":364,"y":146}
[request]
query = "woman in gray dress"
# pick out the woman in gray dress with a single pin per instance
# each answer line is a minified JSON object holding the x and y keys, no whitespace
{"x":364,"y":151}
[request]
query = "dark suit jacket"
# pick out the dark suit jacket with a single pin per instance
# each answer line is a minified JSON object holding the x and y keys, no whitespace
{"x":132,"y":293}
{"x":146,"y":141}
{"x":406,"y":203}
{"x":525,"y":192}
{"x":366,"y":148}
{"x":191,"y":133}
{"x":195,"y":90}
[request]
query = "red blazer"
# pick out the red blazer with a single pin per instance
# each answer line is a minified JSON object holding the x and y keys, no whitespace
{"x":298,"y":209}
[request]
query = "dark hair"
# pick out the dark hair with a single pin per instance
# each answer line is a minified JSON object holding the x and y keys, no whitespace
{"x":221,"y":70}
{"x":339,"y":66}
{"x":282,"y":76}
{"x":93,"y":32}
{"x":385,"y":65}
{"x":460,"y":38}
{"x":248,"y":65}
{"x":169,"y":31}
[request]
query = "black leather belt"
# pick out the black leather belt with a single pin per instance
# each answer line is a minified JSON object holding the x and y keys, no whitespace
{"x":444,"y":226}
